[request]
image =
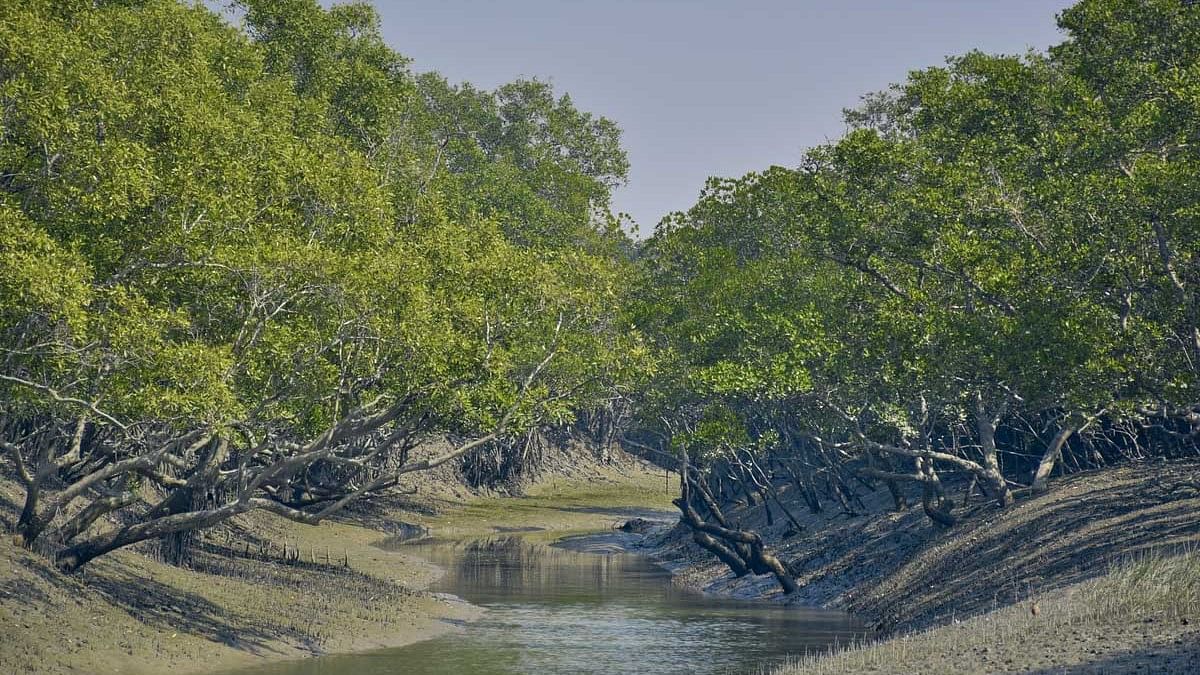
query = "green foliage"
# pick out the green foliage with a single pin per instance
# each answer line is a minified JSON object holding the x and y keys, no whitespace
{"x":1013,"y":230}
{"x":39,"y":279}
{"x":268,"y":227}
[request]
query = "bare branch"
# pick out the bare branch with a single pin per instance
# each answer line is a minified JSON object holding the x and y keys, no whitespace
{"x":65,"y":399}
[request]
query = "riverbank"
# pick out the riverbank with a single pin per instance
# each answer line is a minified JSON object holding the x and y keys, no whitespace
{"x":1139,"y":618}
{"x":931,"y":590}
{"x":244,"y":601}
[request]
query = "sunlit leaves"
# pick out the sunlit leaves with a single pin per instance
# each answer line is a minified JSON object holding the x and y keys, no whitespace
{"x":1019,"y":230}
{"x":272,"y":227}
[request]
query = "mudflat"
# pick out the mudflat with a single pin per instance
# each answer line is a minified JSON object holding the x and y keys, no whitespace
{"x":242,"y":600}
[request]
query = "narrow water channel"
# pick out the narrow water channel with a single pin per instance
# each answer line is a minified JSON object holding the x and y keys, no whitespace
{"x":554,"y":610}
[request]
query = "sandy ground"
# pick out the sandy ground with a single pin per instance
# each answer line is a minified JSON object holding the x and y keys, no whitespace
{"x":905,"y":576}
{"x":129,"y":613}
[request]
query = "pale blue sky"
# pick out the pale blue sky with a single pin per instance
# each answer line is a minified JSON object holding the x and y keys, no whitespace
{"x":704,"y":88}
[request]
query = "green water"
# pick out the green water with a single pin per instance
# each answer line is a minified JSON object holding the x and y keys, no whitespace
{"x":553,"y":610}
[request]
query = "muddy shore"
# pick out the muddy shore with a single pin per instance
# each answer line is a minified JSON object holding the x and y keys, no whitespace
{"x":935,"y":603}
{"x":243,"y":601}
{"x":963,"y":603}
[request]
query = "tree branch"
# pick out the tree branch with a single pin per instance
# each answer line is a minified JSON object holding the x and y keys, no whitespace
{"x":65,"y":399}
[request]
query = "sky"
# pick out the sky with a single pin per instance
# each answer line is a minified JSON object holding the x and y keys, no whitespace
{"x":705,"y":88}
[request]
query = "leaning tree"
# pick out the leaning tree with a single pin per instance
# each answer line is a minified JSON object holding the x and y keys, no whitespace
{"x":256,"y":271}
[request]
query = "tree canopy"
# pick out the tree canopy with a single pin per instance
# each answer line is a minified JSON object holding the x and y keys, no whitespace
{"x":998,"y":262}
{"x":259,"y":266}
{"x":253,"y":267}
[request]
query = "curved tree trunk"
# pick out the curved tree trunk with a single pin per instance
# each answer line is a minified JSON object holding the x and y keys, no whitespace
{"x":933,"y":497}
{"x":741,"y":550}
{"x":1050,"y":458}
{"x":85,"y":551}
{"x":993,"y":481}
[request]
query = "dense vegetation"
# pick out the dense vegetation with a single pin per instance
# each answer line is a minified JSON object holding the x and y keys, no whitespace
{"x":254,"y":268}
{"x":996,"y":267}
{"x":257,"y":266}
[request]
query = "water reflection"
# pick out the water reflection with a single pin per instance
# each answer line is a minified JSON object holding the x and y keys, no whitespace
{"x":552,"y":610}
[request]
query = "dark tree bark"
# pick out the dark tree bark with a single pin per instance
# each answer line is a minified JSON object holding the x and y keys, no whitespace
{"x":741,"y":550}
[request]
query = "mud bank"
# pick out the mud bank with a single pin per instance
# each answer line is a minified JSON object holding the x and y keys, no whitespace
{"x":234,"y":605}
{"x":910,"y":580}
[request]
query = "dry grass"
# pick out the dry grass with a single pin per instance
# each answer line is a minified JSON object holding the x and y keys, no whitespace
{"x":1144,"y":605}
{"x":1151,"y":585}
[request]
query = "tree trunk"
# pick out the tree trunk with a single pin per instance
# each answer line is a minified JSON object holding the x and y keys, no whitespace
{"x":745,"y":550}
{"x":993,"y":480}
{"x":85,"y":551}
{"x":806,"y":491}
{"x":933,"y":497}
{"x":29,"y":526}
{"x":1050,"y":457}
{"x":898,"y":499}
{"x":723,"y":552}
{"x":175,"y":547}
{"x":31,"y":523}
{"x":93,"y":512}
{"x":726,"y":554}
